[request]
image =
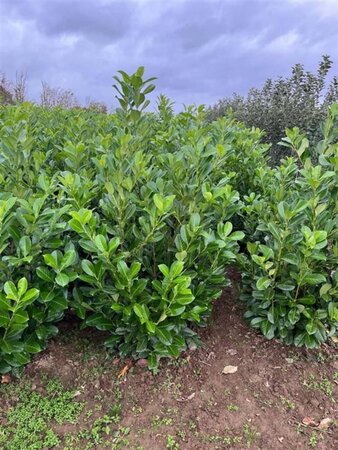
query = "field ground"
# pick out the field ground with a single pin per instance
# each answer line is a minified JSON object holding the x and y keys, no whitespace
{"x":71,"y":396}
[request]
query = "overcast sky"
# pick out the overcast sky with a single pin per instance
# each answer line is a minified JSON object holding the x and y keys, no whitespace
{"x":199,"y":50}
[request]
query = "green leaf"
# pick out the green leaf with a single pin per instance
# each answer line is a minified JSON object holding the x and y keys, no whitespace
{"x":88,"y":267}
{"x":4,"y":367}
{"x":22,"y":286}
{"x":159,"y":202}
{"x":42,"y":332}
{"x":285,"y":286}
{"x":333,"y":311}
{"x":134,"y":114}
{"x":100,"y":322}
{"x":4,"y":318}
{"x":112,"y":341}
{"x":138,"y":287}
{"x":168,"y":201}
{"x":227,"y":229}
{"x":164,"y":336}
{"x":30,"y":296}
{"x":44,"y":274}
{"x":185,"y":297}
{"x":195,"y":220}
{"x":51,"y":261}
{"x":309,"y":300}
{"x":152,"y":361}
{"x":11,"y":290}
{"x":20,"y":316}
{"x":164,"y":269}
{"x":268,"y":329}
{"x":263,"y":283}
{"x":14,"y":333}
{"x":183,"y":234}
{"x":56,"y":305}
{"x":293,"y":316}
{"x":176,"y":269}
{"x":175,"y":310}
{"x":113,"y":244}
{"x":19,"y":359}
{"x":236,"y":236}
{"x":275,"y":231}
{"x":255,"y":323}
{"x":101,"y":243}
{"x":142,"y":312}
{"x":134,"y":270}
{"x":8,"y":347}
{"x":25,"y":245}
{"x":150,"y":327}
{"x":76,"y":226}
{"x":32,"y":345}
{"x":68,"y":259}
{"x":311,"y":328}
{"x":314,"y":279}
{"x":62,"y":279}
{"x":174,"y":351}
{"x":281,"y":210}
{"x":123,"y":270}
{"x":181,"y":256}
{"x":325,"y":289}
{"x":291,"y":259}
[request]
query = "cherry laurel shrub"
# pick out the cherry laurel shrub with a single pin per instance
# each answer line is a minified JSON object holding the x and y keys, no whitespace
{"x":131,"y":219}
{"x":124,"y":218}
{"x":291,"y":273}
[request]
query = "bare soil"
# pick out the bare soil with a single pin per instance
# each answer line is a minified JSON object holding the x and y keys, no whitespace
{"x":191,"y":404}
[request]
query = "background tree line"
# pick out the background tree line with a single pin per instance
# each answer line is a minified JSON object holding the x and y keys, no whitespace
{"x":16,"y":91}
{"x":300,"y":100}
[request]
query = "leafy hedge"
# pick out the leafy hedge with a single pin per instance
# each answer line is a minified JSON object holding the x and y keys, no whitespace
{"x":131,"y":220}
{"x":292,"y":231}
{"x":117,"y":218}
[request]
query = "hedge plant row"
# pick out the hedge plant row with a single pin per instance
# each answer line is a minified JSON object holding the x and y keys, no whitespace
{"x":132,"y":219}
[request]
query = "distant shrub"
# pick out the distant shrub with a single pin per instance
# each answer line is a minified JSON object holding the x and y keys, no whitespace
{"x":6,"y":96}
{"x":98,"y":107}
{"x":301,"y":100}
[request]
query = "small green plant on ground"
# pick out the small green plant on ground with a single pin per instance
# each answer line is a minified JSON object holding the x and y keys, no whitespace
{"x":27,"y":425}
{"x":313,"y":440}
{"x":287,"y":403}
{"x":251,"y":435}
{"x":165,"y":419}
{"x":229,"y":440}
{"x":232,"y":407}
{"x":323,"y":384}
{"x":171,"y":443}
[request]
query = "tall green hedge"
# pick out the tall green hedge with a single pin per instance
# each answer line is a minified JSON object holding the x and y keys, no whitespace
{"x":132,"y":219}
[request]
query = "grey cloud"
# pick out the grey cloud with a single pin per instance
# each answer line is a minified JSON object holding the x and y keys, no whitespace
{"x":93,"y":19}
{"x":199,"y":50}
{"x":101,"y":22}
